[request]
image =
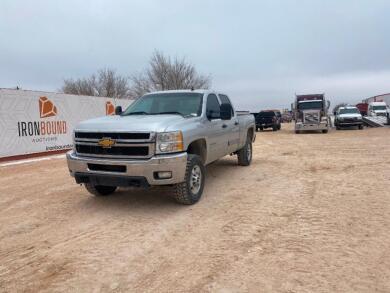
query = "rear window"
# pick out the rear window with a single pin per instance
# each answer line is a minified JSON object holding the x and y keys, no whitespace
{"x":267,"y":114}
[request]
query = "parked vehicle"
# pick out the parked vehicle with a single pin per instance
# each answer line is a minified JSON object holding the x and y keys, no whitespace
{"x":268,"y":119}
{"x":348,"y":116}
{"x":164,"y":138}
{"x":363,"y":108}
{"x":286,"y":117}
{"x":311,"y":113}
{"x":377,"y":109}
{"x":278,"y":114}
{"x":388,"y":116}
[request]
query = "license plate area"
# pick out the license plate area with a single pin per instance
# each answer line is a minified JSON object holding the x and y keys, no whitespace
{"x":107,"y":168}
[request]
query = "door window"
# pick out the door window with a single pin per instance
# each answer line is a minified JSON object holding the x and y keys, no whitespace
{"x":213,"y":107}
{"x":225,"y":100}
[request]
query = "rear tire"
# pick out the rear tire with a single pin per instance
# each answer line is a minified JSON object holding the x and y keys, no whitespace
{"x":244,"y":155}
{"x":280,"y":126}
{"x":190,"y":191}
{"x":325,"y":131}
{"x":261,"y":128}
{"x":297,"y":131}
{"x":274,"y":128}
{"x":100,"y":190}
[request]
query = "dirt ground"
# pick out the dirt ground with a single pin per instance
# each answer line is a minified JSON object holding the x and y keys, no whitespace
{"x":311,"y":214}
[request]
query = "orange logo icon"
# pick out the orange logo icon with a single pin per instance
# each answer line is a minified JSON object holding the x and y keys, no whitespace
{"x":46,"y":108}
{"x":110,"y":109}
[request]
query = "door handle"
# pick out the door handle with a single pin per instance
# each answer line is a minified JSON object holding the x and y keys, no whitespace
{"x":236,"y":123}
{"x":224,"y":125}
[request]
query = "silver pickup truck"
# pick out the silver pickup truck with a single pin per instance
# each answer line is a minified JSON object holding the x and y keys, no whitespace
{"x":163,"y":138}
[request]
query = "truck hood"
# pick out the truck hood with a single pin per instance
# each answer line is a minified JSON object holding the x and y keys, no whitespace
{"x":136,"y":123}
{"x":350,"y":115}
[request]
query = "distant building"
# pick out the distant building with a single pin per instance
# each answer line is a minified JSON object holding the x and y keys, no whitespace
{"x":380,"y":98}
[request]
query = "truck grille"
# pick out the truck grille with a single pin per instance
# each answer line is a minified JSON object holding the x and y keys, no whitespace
{"x":121,"y":144}
{"x":116,"y":151}
{"x":114,"y":135}
{"x":349,"y":120}
{"x":312,"y":117}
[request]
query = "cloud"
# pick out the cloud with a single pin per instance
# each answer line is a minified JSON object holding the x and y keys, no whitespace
{"x":279,"y":91}
{"x":259,"y":51}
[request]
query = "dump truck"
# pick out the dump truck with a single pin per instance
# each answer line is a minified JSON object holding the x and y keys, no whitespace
{"x":311,"y":113}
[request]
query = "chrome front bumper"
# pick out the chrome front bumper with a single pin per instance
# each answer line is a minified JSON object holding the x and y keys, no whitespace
{"x":354,"y":123}
{"x":175,"y":163}
{"x":311,"y":126}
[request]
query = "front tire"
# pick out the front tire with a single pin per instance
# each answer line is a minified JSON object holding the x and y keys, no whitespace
{"x":244,"y":155}
{"x":190,"y":191}
{"x":361,"y":126}
{"x":100,"y":190}
{"x":325,"y":131}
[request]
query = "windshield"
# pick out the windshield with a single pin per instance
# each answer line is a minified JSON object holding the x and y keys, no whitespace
{"x":349,"y":111}
{"x":375,"y":108}
{"x":310,"y":105}
{"x":185,"y":104}
{"x":267,"y":114}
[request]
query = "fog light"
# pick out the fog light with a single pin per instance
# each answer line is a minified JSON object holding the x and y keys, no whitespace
{"x":164,"y":175}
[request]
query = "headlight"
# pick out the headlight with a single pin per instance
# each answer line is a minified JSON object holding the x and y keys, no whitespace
{"x":169,"y":142}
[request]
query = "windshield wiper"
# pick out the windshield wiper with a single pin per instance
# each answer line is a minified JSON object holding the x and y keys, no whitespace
{"x":168,"y":112}
{"x":136,"y":113}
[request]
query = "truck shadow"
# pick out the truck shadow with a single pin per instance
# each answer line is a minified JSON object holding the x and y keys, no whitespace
{"x":127,"y":197}
{"x":311,"y":132}
{"x":154,"y":198}
{"x":348,"y":128}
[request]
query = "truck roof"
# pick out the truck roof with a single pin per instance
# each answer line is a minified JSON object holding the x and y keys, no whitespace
{"x":198,"y":91}
{"x":348,"y":107}
{"x":308,"y":101}
{"x":310,"y":97}
{"x":378,"y":103}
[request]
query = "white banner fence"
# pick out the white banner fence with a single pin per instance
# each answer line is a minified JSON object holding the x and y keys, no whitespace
{"x":37,"y":122}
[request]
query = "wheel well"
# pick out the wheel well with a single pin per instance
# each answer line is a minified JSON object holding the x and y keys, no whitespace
{"x":250,"y":133}
{"x":198,"y":147}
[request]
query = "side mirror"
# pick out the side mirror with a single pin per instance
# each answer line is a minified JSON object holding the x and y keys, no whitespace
{"x":118,"y":110}
{"x":226,"y":111}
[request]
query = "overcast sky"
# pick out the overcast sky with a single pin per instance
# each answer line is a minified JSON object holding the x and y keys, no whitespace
{"x":259,"y":52}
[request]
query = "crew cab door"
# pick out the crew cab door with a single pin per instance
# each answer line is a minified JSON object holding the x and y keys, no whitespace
{"x":233,"y":127}
{"x":217,"y":134}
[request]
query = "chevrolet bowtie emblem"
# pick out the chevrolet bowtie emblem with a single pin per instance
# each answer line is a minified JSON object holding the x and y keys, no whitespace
{"x":106,"y":143}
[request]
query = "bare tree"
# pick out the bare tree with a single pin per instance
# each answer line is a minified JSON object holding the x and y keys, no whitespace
{"x":164,"y":73}
{"x":107,"y":83}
